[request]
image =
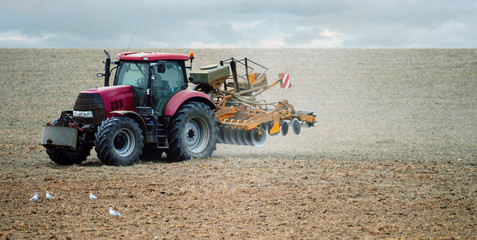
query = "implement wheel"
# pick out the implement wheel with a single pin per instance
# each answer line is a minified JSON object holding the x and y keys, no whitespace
{"x":192,"y":132}
{"x":119,"y":141}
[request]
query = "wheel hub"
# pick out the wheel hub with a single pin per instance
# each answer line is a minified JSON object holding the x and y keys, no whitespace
{"x":191,"y":134}
{"x":120,"y":141}
{"x":124,"y":142}
{"x":196,"y":134}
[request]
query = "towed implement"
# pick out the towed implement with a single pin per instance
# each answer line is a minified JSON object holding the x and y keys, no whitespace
{"x":149,"y":105}
{"x":243,"y":119}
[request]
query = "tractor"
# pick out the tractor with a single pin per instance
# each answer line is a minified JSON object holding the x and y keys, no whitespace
{"x":149,"y":105}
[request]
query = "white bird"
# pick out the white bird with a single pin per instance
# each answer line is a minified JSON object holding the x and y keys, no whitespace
{"x":48,"y":196}
{"x":92,"y":197}
{"x":34,"y":198}
{"x":113,"y":213}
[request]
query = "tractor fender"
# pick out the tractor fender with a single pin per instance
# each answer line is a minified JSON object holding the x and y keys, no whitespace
{"x":183,"y":96}
{"x":134,"y":116}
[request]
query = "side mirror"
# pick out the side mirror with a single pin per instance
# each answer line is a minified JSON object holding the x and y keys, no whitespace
{"x":99,"y":74}
{"x":161,"y":66}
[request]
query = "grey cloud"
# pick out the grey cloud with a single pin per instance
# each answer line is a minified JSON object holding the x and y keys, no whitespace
{"x":223,"y":33}
{"x":394,"y":24}
{"x":370,"y":23}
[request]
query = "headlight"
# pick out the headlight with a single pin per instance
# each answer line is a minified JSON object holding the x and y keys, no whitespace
{"x":83,"y":114}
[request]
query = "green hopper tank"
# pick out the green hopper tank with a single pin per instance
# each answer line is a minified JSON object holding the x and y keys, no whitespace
{"x":213,"y":75}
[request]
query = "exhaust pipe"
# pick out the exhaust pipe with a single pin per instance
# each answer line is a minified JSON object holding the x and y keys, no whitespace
{"x":107,"y":66}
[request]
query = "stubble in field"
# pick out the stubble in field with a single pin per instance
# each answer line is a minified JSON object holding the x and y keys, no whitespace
{"x":393,"y":154}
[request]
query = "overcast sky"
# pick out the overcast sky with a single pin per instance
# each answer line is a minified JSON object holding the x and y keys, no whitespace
{"x":238,"y":24}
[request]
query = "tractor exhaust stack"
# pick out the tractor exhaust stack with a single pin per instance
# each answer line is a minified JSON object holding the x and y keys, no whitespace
{"x":107,"y":66}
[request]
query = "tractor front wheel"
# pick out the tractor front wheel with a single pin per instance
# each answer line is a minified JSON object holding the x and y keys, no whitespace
{"x":119,"y":141}
{"x":192,"y":132}
{"x":69,"y":157}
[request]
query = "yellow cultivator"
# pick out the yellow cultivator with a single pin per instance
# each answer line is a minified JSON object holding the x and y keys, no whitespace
{"x":244,"y":120}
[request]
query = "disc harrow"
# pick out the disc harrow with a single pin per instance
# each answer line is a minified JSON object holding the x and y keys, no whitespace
{"x":244,"y":120}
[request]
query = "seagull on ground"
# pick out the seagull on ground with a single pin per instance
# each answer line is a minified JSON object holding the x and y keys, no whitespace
{"x":48,"y":196}
{"x":34,"y":198}
{"x":113,"y":213}
{"x":92,"y":197}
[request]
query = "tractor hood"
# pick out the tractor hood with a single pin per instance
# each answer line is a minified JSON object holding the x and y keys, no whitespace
{"x":102,"y":101}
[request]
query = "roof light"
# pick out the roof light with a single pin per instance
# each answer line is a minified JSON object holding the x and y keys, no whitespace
{"x":145,"y":58}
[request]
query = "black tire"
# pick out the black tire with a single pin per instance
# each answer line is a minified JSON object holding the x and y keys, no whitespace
{"x":119,"y":141}
{"x":69,"y":157}
{"x":192,"y":132}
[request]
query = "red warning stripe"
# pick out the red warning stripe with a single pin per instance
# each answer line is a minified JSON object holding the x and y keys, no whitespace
{"x":286,"y":81}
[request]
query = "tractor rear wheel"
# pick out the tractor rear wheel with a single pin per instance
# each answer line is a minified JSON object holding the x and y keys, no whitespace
{"x":192,"y":132}
{"x":119,"y":141}
{"x":69,"y":157}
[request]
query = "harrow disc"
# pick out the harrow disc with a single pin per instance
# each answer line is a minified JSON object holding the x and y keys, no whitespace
{"x":235,"y":136}
{"x":240,"y":137}
{"x":258,"y":139}
{"x":284,"y":128}
{"x":247,"y":137}
{"x":220,"y":136}
{"x":228,"y":136}
{"x":296,"y":125}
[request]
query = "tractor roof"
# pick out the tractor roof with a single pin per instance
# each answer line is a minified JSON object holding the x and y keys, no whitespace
{"x":150,"y":56}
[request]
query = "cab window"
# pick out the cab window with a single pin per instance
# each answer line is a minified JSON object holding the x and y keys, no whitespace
{"x":132,"y":73}
{"x":166,"y":84}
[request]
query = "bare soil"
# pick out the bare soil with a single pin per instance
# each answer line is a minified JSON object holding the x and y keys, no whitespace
{"x":393,"y":155}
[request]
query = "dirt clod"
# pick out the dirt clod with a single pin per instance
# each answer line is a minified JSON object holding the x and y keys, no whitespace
{"x":392,"y":156}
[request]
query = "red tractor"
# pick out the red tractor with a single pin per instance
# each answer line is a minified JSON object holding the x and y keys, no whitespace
{"x":147,"y":106}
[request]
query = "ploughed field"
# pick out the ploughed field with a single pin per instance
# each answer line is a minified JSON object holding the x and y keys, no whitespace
{"x":393,"y":155}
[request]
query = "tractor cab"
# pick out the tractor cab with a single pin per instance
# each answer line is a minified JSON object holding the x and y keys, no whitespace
{"x":154,"y":77}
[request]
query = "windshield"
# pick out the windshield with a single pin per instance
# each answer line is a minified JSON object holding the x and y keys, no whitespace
{"x":132,"y":73}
